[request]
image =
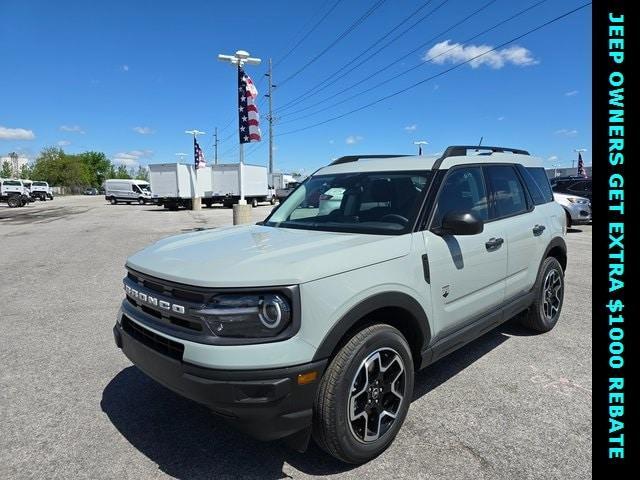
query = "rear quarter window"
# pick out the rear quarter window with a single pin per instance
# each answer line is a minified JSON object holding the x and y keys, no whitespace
{"x":538,"y":184}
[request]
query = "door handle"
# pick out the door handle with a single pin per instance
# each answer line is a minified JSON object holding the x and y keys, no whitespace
{"x":494,"y":244}
{"x":538,"y":229}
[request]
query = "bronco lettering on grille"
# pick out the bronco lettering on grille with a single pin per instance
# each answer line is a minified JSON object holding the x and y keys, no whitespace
{"x":145,"y":298}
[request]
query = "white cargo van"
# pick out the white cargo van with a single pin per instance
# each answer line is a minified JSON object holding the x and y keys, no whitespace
{"x":127,"y":191}
{"x":175,"y":184}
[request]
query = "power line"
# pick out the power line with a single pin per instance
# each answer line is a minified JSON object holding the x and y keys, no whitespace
{"x":410,"y":69}
{"x":344,"y":34}
{"x":261,"y":79}
{"x":444,"y":72}
{"x":311,"y":30}
{"x":319,"y":86}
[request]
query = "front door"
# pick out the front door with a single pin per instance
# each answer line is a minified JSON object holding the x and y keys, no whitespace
{"x":467,"y":272}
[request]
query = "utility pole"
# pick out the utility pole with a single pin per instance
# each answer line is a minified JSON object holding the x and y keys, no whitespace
{"x":270,"y":117}
{"x":215,"y":146}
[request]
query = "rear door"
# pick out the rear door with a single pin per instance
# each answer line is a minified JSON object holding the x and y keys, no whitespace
{"x":467,"y":272}
{"x":526,"y":228}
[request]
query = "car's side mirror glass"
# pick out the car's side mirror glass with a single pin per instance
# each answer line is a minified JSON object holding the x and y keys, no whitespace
{"x":460,"y":223}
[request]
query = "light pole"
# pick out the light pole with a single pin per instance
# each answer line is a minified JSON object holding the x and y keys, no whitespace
{"x":195,"y":198}
{"x":239,"y":59}
{"x":419,"y":144}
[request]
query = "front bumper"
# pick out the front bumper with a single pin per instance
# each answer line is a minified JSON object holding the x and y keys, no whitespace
{"x":580,"y":213}
{"x":267,"y":404}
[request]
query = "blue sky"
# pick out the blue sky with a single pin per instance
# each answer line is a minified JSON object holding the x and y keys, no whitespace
{"x":128,"y":77}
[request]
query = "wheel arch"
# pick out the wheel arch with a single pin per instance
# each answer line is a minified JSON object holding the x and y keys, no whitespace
{"x":557,"y":248}
{"x":397,"y":309}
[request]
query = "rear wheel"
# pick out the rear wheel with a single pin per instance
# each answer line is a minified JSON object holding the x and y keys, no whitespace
{"x":364,"y":395}
{"x":14,"y":201}
{"x":543,"y":314}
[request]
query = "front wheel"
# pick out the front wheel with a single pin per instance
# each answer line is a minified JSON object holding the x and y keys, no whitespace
{"x":113,"y":201}
{"x":364,"y":395}
{"x":543,"y":314}
{"x":141,"y":201}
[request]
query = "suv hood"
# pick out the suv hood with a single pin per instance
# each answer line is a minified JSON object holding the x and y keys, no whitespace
{"x":253,"y":255}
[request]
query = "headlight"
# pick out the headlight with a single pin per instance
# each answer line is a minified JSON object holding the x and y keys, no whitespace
{"x":247,"y":315}
{"x":578,"y":200}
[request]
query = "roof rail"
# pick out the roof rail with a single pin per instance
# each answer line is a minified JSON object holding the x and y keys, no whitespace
{"x":355,"y":158}
{"x":461,"y":150}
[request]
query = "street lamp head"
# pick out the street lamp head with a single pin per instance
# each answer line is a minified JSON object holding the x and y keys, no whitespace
{"x":242,"y":54}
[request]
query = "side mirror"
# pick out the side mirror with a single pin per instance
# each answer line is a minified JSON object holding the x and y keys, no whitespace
{"x":461,"y":223}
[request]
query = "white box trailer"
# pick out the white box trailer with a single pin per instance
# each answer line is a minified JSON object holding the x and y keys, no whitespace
{"x":175,"y":184}
{"x":279,"y":180}
{"x":225,"y":185}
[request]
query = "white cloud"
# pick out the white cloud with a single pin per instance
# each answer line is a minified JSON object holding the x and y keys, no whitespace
{"x":331,"y":142}
{"x":132,"y":157}
{"x":72,"y":129}
{"x":571,"y":93}
{"x":500,"y":118}
{"x":144,"y":130}
{"x":552,"y":158}
{"x":353,"y":139}
{"x":16,"y":133}
{"x":447,"y":51}
{"x":411,"y":128}
{"x":565,"y":132}
{"x":125,"y":68}
{"x":64,"y":143}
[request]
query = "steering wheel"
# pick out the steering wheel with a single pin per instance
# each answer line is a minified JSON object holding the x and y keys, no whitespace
{"x":394,"y":218}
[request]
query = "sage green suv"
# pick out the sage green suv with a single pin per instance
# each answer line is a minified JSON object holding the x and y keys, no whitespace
{"x":312,"y":323}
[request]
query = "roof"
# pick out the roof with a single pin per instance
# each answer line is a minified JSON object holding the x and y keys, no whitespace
{"x":425,"y":162}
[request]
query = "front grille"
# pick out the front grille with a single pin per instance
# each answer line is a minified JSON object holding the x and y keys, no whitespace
{"x":170,"y":293}
{"x":155,"y":342}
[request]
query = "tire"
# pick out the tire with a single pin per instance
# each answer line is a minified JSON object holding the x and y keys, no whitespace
{"x":113,"y":201}
{"x":254,"y":202}
{"x":335,"y":428}
{"x":141,"y":201}
{"x":545,"y":310}
{"x":14,"y":201}
{"x":272,"y":201}
{"x":568,"y":219}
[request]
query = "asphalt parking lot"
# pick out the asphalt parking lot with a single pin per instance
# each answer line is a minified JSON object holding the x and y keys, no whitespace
{"x":509,"y":405}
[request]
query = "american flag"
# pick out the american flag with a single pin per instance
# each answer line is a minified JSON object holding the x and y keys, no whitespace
{"x":581,"y":171}
{"x":198,"y":156}
{"x":248,"y":111}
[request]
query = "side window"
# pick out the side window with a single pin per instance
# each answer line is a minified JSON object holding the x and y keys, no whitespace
{"x":538,"y":184}
{"x":508,"y":194}
{"x":463,"y":191}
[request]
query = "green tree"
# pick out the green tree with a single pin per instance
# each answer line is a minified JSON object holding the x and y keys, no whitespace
{"x":98,"y":166}
{"x":142,"y":173}
{"x":122,"y":172}
{"x":26,"y":171}
{"x":6,"y":170}
{"x":60,"y":169}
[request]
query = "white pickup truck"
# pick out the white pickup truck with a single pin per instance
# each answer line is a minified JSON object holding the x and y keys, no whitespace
{"x":41,"y":191}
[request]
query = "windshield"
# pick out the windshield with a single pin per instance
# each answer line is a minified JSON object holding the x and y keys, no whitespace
{"x":364,"y":202}
{"x":39,"y":184}
{"x":144,"y":187}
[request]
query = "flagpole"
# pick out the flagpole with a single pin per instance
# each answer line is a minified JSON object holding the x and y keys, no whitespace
{"x":241,"y":214}
{"x":196,"y":201}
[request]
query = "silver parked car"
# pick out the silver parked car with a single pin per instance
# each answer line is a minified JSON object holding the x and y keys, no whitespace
{"x":577,"y":209}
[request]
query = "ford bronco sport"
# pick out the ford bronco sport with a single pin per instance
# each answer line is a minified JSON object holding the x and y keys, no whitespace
{"x":312,"y":323}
